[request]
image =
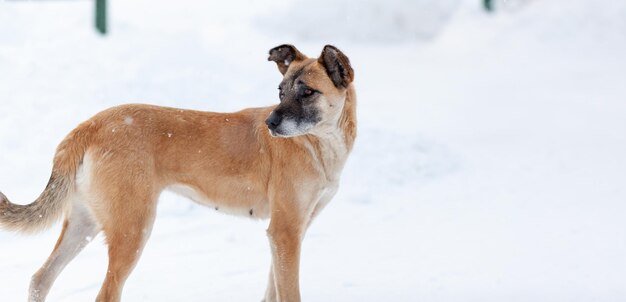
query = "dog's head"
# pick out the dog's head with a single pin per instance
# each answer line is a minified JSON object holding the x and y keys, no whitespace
{"x":312,"y":93}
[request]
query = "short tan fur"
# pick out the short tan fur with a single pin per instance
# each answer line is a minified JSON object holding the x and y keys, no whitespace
{"x":281,"y":162}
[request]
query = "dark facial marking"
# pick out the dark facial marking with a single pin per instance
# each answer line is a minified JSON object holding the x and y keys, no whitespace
{"x":297,"y":101}
{"x":304,"y":91}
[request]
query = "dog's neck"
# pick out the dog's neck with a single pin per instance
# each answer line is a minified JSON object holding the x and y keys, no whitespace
{"x":342,"y":125}
{"x":332,"y":148}
{"x":347,"y":120}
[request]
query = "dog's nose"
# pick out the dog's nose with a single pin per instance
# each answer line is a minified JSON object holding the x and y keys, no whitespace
{"x":273,"y":121}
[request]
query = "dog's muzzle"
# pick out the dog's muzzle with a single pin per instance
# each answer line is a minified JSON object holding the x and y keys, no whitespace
{"x":273,"y":121}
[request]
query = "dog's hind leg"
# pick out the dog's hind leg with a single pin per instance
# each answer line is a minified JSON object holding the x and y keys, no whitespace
{"x":126,"y":236}
{"x":78,"y":230}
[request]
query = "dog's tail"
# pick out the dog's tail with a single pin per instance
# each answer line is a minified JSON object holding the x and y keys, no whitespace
{"x":55,"y":199}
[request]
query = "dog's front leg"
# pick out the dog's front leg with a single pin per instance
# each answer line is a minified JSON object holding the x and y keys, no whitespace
{"x":285,"y":234}
{"x":270,"y":292}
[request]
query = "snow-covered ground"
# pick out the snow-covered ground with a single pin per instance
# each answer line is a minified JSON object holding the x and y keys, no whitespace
{"x":489,"y":164}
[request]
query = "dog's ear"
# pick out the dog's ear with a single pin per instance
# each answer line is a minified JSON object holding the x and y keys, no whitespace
{"x":337,"y":66}
{"x":284,"y":55}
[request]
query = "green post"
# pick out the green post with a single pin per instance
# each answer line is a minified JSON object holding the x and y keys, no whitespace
{"x":488,"y":4}
{"x":101,"y":16}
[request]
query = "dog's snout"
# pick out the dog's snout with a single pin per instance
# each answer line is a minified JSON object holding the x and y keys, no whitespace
{"x":273,"y":121}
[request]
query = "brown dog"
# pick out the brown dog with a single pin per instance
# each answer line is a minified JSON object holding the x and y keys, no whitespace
{"x":109,"y":171}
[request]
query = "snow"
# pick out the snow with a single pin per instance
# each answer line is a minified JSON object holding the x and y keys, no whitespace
{"x":360,"y":21}
{"x":489,"y":164}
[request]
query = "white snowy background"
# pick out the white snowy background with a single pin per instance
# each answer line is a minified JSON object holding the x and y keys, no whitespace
{"x":490,"y":163}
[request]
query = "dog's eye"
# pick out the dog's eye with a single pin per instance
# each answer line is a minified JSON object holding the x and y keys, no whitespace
{"x":308,"y":92}
{"x":281,"y":94}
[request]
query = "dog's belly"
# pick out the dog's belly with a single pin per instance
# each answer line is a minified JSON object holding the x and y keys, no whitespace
{"x":247,"y":204}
